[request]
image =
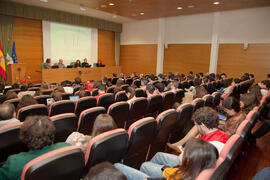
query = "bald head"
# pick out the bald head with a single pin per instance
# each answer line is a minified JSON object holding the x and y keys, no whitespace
{"x":7,"y":111}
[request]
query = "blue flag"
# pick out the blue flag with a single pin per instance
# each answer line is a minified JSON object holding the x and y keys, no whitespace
{"x":14,"y":56}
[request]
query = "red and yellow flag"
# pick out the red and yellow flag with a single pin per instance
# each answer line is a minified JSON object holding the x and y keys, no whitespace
{"x":2,"y":63}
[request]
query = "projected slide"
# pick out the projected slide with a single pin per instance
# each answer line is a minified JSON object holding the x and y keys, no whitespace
{"x":68,"y":42}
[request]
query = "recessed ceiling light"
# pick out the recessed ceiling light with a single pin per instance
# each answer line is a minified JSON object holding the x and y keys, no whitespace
{"x":82,"y":8}
{"x":191,"y":6}
{"x":141,"y":13}
{"x":111,"y":4}
{"x":216,"y":3}
{"x":114,"y":16}
{"x":179,"y":8}
{"x":45,"y":1}
{"x":103,"y":6}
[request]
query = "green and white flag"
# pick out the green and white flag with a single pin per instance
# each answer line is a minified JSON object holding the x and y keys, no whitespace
{"x":9,"y":54}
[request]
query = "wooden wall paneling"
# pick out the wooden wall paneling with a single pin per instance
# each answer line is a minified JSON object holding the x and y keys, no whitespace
{"x":138,"y":58}
{"x":234,"y":61}
{"x":106,"y":50}
{"x":27,"y":34}
{"x":183,"y":58}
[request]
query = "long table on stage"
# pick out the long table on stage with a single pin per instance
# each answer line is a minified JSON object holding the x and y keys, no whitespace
{"x":86,"y":74}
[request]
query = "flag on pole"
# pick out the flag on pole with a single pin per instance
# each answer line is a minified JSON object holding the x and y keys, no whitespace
{"x":14,"y":56}
{"x":9,"y":54}
{"x":2,"y":63}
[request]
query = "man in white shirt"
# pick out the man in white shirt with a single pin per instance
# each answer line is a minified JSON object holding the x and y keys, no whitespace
{"x":7,"y":114}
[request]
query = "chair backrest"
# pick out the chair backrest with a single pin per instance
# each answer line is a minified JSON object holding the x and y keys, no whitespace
{"x":197,"y":103}
{"x":207,"y":173}
{"x":85,"y":103}
{"x":179,"y":94}
{"x":64,"y":125}
{"x":65,"y":96}
{"x":14,"y":90}
{"x":76,"y":89}
{"x":46,"y":91}
{"x":87,"y":118}
{"x":3,"y":98}
{"x":137,"y":109}
{"x":110,"y":89}
{"x":244,"y":129}
{"x":35,"y":109}
{"x":10,"y":142}
{"x":121,"y":96}
{"x":168,"y":100}
{"x":50,"y":165}
{"x":140,"y":93}
{"x":94,"y":92}
{"x":60,"y":107}
{"x":33,"y":89}
{"x":165,"y":123}
{"x":42,"y":99}
{"x":108,"y":146}
{"x":105,"y":100}
{"x":154,"y":105}
{"x":124,"y":87}
{"x":137,"y":82}
{"x":114,"y":80}
{"x":129,"y":81}
{"x":15,"y":102}
{"x":208,"y":100}
{"x":228,"y":145}
{"x":141,"y":134}
{"x":216,"y":98}
{"x":119,"y":111}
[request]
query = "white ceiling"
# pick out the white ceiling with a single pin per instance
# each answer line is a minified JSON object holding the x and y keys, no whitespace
{"x":68,"y":7}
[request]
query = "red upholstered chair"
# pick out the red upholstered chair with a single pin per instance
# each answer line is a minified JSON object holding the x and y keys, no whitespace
{"x":165,"y":123}
{"x":94,"y":92}
{"x":110,"y":89}
{"x":124,"y":87}
{"x":137,"y":109}
{"x":184,"y":122}
{"x":114,"y":80}
{"x":121,"y":96}
{"x":216,"y":99}
{"x":62,"y":163}
{"x":10,"y":142}
{"x":15,"y":102}
{"x":35,"y":109}
{"x":208,"y":100}
{"x":14,"y":90}
{"x":244,"y":129}
{"x":42,"y":99}
{"x":128,"y":81}
{"x":76,"y":89}
{"x":105,"y":100}
{"x":65,"y":96}
{"x":207,"y":173}
{"x":168,"y":100}
{"x":140,"y":92}
{"x":33,"y":89}
{"x":119,"y":112}
{"x":46,"y":91}
{"x":137,"y":82}
{"x":109,"y":146}
{"x":84,"y":103}
{"x":64,"y":125}
{"x":154,"y":105}
{"x":179,"y":95}
{"x":60,"y":107}
{"x":141,"y":134}
{"x":197,"y":103}
{"x":87,"y":118}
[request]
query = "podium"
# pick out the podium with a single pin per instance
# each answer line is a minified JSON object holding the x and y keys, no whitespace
{"x":15,"y":73}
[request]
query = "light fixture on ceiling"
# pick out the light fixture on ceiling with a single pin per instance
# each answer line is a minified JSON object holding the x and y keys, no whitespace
{"x":179,"y":8}
{"x":142,"y":13}
{"x":82,"y":8}
{"x":111,"y":4}
{"x":216,"y":3}
{"x":115,"y":16}
{"x":191,"y":6}
{"x":103,"y":6}
{"x":45,"y":1}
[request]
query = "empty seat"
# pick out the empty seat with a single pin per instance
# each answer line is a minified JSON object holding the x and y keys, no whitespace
{"x":35,"y":109}
{"x":168,"y":100}
{"x":109,"y":146}
{"x":184,"y":122}
{"x":87,"y":118}
{"x":216,"y":99}
{"x":64,"y":125}
{"x":105,"y":100}
{"x":197,"y":103}
{"x":121,"y":96}
{"x":62,"y":163}
{"x":208,"y":100}
{"x":141,"y":134}
{"x":179,"y":95}
{"x":154,"y":105}
{"x":46,"y":91}
{"x":137,"y":109}
{"x":140,"y":92}
{"x":42,"y":99}
{"x":15,"y":102}
{"x":84,"y":103}
{"x":110,"y":89}
{"x":10,"y":142}
{"x":60,"y":107}
{"x":119,"y":112}
{"x":165,"y":123}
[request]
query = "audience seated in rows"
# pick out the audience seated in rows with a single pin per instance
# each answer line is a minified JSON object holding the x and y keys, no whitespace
{"x":7,"y":114}
{"x":37,"y":132}
{"x":26,"y":100}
